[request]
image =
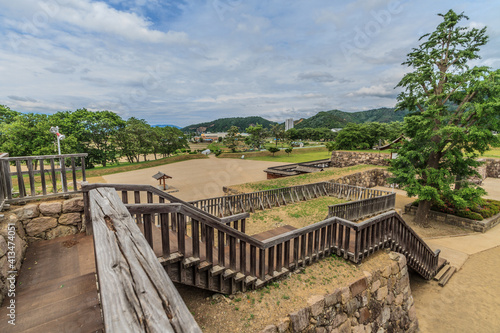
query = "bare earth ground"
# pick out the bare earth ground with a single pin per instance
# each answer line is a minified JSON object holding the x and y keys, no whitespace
{"x":197,"y":179}
{"x":254,"y":310}
{"x":470,"y":302}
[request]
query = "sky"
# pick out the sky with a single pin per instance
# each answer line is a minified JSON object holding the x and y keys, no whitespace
{"x":185,"y":62}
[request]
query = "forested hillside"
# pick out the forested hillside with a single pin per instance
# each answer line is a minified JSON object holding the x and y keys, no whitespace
{"x":223,"y":124}
{"x":339,"y":119}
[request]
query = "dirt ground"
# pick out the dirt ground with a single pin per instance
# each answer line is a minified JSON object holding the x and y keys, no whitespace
{"x":196,"y":179}
{"x":470,"y":302}
{"x":254,"y":310}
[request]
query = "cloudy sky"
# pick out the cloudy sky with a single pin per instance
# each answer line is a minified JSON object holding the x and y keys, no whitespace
{"x":183,"y":62}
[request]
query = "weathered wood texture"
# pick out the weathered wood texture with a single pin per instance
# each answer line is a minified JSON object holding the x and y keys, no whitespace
{"x":3,"y":183}
{"x":56,"y":289}
{"x":136,"y":292}
{"x":192,"y":240}
{"x":31,"y":187}
{"x":360,"y":209}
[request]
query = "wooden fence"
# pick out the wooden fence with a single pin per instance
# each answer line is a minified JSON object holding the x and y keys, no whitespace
{"x":193,"y":237}
{"x":36,"y":184}
{"x":3,"y":184}
{"x":261,"y":200}
{"x":360,"y":209}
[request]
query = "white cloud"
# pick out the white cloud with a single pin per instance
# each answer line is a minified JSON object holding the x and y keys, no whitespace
{"x":192,"y":62}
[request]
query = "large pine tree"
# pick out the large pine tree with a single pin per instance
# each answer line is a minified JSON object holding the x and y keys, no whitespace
{"x":455,"y":108}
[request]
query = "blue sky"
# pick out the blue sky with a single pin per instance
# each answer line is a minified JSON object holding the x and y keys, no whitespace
{"x":184,"y":62}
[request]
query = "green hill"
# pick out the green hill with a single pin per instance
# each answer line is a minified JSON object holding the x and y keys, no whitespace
{"x":329,"y":119}
{"x":223,"y":124}
{"x":338,"y":119}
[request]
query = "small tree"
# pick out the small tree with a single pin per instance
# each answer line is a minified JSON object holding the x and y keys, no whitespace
{"x":455,"y":107}
{"x":257,"y":135}
{"x":231,"y":140}
{"x":289,"y":150}
{"x":273,"y":150}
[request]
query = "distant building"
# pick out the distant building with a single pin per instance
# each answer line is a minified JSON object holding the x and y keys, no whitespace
{"x":288,"y":124}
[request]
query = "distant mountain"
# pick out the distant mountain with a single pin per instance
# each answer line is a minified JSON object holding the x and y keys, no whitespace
{"x":223,"y":124}
{"x":168,"y":125}
{"x":338,"y":119}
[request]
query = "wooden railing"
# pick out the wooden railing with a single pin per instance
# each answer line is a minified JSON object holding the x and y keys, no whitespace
{"x":3,"y":184}
{"x":360,"y":209}
{"x":36,"y":180}
{"x":136,"y":294}
{"x":261,"y":200}
{"x":200,"y":238}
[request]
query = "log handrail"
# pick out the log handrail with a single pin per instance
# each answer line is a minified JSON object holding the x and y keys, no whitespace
{"x":136,"y":293}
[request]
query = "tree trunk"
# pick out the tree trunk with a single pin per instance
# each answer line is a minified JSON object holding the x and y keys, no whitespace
{"x":421,"y":217}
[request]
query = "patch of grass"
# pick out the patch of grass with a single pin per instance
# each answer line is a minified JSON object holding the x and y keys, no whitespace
{"x":298,"y":215}
{"x":298,"y":155}
{"x":493,"y":153}
{"x":328,"y":174}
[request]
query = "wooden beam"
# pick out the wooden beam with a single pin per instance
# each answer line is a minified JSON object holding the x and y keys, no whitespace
{"x":136,"y":293}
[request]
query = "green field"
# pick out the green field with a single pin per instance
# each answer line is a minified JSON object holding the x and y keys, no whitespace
{"x":307,"y":178}
{"x":298,"y":155}
{"x":493,"y":153}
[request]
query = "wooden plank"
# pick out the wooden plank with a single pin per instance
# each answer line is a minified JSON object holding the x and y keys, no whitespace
{"x":119,"y":244}
{"x":29,"y":164}
{"x":444,"y":280}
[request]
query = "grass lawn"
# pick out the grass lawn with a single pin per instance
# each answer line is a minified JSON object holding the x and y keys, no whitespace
{"x":298,"y":155}
{"x":493,"y":153}
{"x":298,"y":215}
{"x":328,"y":174}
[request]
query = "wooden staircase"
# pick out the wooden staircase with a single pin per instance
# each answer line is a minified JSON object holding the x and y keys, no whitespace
{"x":199,"y":249}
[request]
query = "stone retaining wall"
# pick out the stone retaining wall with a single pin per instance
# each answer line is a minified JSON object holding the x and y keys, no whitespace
{"x":33,"y":222}
{"x":492,"y":167}
{"x":480,"y":226}
{"x":342,"y":159}
{"x":369,"y":178}
{"x":379,"y":302}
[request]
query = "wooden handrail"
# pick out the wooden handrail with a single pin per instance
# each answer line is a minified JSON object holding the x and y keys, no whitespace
{"x":136,"y":293}
{"x":352,"y":240}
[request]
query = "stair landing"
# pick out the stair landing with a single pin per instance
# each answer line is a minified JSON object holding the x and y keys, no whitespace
{"x":56,"y":288}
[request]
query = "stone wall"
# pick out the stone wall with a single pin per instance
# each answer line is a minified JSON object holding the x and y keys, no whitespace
{"x":25,"y":224}
{"x":492,"y":167}
{"x":369,"y":178}
{"x":342,"y":159}
{"x":379,"y":302}
{"x":480,"y":226}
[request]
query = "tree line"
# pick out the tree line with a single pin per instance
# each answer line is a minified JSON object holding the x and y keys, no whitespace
{"x":103,"y":135}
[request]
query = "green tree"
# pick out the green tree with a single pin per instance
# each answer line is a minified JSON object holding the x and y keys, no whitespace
{"x":231,"y":139}
{"x":91,"y":132}
{"x":257,"y":135}
{"x":135,"y":139}
{"x":7,"y":115}
{"x":273,"y":150}
{"x":454,"y":106}
{"x":278,"y":132}
{"x":28,"y":135}
{"x":288,"y":150}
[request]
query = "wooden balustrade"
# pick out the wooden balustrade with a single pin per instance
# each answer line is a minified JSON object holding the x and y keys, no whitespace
{"x":3,"y":183}
{"x":36,"y":185}
{"x":191,"y":235}
{"x":359,"y":209}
